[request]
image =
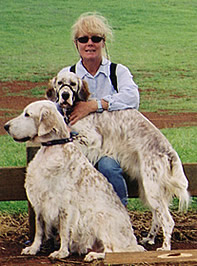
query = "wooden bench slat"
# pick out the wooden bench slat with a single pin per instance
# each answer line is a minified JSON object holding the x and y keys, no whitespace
{"x":190,"y":170}
{"x":12,"y":183}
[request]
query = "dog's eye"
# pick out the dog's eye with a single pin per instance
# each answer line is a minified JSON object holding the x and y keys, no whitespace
{"x":73,"y":83}
{"x":26,"y":114}
{"x":60,"y":83}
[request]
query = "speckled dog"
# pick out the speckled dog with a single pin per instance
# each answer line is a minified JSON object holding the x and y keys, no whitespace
{"x":67,"y":192}
{"x":141,"y":149}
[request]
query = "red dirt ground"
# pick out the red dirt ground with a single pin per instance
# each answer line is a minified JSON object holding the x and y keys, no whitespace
{"x":14,"y":229}
{"x":12,"y":103}
{"x":14,"y":233}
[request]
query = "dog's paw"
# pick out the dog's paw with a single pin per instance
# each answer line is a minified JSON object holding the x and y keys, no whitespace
{"x":94,"y":256}
{"x":147,"y":240}
{"x":59,"y":254}
{"x":163,"y":249}
{"x":140,"y":248}
{"x":32,"y":250}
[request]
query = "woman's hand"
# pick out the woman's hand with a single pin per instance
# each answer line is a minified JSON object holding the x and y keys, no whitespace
{"x":82,"y":109}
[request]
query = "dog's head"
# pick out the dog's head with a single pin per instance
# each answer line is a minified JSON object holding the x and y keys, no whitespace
{"x":40,"y":121}
{"x":66,"y":89}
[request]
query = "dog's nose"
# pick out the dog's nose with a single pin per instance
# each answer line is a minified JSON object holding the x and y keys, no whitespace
{"x":7,"y":127}
{"x":65,"y":95}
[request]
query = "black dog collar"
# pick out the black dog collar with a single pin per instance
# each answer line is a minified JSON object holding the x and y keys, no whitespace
{"x":60,"y":141}
{"x":57,"y":142}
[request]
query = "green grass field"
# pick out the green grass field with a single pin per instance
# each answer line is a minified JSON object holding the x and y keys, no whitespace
{"x":134,"y":204}
{"x":183,"y":140}
{"x":155,"y":39}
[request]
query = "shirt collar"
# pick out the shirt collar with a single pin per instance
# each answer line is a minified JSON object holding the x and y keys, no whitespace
{"x":82,"y":72}
{"x":104,"y":66}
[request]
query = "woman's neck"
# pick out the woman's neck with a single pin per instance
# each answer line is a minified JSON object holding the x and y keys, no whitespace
{"x":92,"y":66}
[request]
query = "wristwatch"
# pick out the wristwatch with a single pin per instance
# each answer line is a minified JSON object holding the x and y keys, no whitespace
{"x":100,"y":107}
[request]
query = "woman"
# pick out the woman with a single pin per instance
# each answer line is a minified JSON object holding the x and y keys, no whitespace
{"x":89,"y":34}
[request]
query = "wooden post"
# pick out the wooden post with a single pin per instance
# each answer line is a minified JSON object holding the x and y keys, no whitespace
{"x":31,"y":150}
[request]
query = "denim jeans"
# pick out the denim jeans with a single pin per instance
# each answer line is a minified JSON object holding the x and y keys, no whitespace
{"x":112,"y":171}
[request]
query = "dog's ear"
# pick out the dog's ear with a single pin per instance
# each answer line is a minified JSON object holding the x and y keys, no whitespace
{"x":51,"y":93}
{"x":84,"y":90}
{"x":46,"y":122}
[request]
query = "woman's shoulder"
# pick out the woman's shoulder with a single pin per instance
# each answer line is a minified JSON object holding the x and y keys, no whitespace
{"x":68,"y":68}
{"x":122,"y":69}
{"x":63,"y":70}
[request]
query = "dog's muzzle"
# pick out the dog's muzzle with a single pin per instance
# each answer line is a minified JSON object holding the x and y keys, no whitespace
{"x":6,"y":127}
{"x":66,"y":85}
{"x":23,"y":139}
{"x":65,"y":95}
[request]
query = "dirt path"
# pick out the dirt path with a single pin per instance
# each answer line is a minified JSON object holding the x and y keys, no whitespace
{"x":12,"y":103}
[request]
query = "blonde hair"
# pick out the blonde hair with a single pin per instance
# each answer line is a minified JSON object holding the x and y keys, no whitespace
{"x":91,"y":23}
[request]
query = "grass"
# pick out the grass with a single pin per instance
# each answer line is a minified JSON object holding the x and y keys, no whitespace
{"x":13,"y":207}
{"x":182,"y":139}
{"x":155,"y":39}
{"x":134,"y":204}
{"x":12,"y":153}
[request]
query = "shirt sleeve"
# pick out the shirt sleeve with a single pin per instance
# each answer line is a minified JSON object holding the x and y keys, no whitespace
{"x":128,"y":94}
{"x":63,"y":70}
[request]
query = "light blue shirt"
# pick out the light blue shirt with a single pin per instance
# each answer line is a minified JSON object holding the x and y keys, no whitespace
{"x":100,"y":85}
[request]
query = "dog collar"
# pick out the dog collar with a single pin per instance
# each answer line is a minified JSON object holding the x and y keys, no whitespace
{"x":60,"y":141}
{"x":57,"y":142}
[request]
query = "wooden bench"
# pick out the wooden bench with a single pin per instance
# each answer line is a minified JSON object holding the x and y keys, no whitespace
{"x":12,"y":183}
{"x":172,"y":257}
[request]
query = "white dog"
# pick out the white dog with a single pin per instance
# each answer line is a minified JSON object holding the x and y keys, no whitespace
{"x":67,"y":192}
{"x":143,"y":152}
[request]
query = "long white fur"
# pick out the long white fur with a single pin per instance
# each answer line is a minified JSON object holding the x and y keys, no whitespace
{"x":68,"y":193}
{"x":144,"y":154}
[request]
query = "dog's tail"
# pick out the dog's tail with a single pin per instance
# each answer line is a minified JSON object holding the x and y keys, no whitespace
{"x":178,"y":181}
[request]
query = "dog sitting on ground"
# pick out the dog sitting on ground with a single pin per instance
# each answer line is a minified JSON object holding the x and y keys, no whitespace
{"x":141,"y":149}
{"x":67,"y":192}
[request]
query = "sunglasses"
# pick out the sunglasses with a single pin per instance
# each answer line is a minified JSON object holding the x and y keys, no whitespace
{"x":85,"y":39}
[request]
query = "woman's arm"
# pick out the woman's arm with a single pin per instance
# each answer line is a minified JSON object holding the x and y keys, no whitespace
{"x":128,"y":94}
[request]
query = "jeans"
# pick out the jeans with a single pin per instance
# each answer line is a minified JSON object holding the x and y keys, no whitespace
{"x":112,"y":171}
